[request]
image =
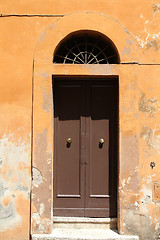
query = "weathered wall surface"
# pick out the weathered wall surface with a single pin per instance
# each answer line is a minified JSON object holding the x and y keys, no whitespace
{"x":17,"y":42}
{"x":138,"y":188}
{"x":21,"y":24}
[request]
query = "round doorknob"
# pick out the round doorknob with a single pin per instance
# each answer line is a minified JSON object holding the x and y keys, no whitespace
{"x":69,"y":140}
{"x":101,"y":140}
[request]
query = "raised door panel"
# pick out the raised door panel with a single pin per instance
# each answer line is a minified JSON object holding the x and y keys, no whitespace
{"x":68,"y":171}
{"x":99,"y":187}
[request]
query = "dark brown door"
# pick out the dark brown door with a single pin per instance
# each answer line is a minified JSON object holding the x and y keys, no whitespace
{"x":85,"y":159}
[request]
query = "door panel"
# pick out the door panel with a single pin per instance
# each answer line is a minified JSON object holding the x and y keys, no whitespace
{"x":69,"y":181}
{"x":99,"y":159}
{"x":98,"y":189}
{"x":99,"y":152}
{"x":85,"y":171}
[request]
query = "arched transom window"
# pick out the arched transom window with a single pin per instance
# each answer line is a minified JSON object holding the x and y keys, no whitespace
{"x":86,"y":48}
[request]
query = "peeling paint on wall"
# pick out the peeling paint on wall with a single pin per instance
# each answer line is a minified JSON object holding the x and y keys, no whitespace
{"x":148,"y":105}
{"x":151,"y":136}
{"x":42,"y":208}
{"x":40,"y":225}
{"x":15,"y":159}
{"x":137,"y":223}
{"x":9,"y":218}
{"x":46,"y":94}
{"x":156,"y":8}
{"x":14,"y":179}
{"x":139,"y":215}
{"x":37,"y":178}
{"x":153,"y":44}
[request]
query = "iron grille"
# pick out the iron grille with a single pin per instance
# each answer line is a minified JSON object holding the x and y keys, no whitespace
{"x":86,"y":50}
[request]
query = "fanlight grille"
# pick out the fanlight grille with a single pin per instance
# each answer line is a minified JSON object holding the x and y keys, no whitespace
{"x":86,"y":50}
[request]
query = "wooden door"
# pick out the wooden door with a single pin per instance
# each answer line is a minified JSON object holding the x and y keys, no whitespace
{"x":85,"y":145}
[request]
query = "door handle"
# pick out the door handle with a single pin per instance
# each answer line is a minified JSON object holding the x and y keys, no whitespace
{"x":69,"y":140}
{"x":101,"y":141}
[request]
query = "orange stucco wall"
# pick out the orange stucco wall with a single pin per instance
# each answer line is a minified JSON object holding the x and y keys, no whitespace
{"x":22,"y":24}
{"x":17,"y":43}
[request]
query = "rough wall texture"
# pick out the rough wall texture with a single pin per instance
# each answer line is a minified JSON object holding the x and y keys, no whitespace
{"x":21,"y":25}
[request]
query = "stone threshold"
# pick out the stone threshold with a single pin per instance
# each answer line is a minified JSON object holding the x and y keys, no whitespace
{"x":83,"y":234}
{"x":82,"y":222}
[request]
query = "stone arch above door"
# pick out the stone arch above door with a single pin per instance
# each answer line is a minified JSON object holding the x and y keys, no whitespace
{"x":59,"y":29}
{"x":42,"y":154}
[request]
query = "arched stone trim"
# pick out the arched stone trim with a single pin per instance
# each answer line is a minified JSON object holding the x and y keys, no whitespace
{"x":42,"y":155}
{"x":99,"y":22}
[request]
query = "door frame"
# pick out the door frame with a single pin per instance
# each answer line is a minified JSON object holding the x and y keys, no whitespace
{"x":42,"y":161}
{"x":42,"y":123}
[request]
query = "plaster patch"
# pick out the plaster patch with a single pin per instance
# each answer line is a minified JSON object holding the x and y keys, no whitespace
{"x":49,"y":161}
{"x":2,"y":189}
{"x":151,"y":40}
{"x":129,"y":42}
{"x":6,"y":211}
{"x":14,"y":178}
{"x":136,"y":204}
{"x":148,"y":105}
{"x":138,"y":224}
{"x":42,"y":37}
{"x":14,"y":151}
{"x":53,"y":26}
{"x":126,"y":51}
{"x":37,"y":178}
{"x":8,"y":217}
{"x":40,"y":225}
{"x":157,"y":226}
{"x":101,"y":69}
{"x":23,"y":189}
{"x":152,"y":44}
{"x":42,"y":208}
{"x":47,"y":99}
{"x":152,"y":137}
{"x":156,"y":8}
{"x":147,"y":194}
{"x":36,"y":217}
{"x":125,"y":181}
{"x":142,"y":42}
{"x":14,"y":170}
{"x":41,"y":152}
{"x":129,"y":179}
{"x":45,"y":75}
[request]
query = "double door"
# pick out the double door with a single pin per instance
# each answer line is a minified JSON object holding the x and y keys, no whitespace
{"x":85,"y":147}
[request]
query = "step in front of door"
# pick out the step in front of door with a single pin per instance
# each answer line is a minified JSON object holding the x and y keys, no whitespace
{"x":83,"y":234}
{"x":84,"y":223}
